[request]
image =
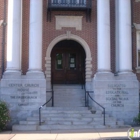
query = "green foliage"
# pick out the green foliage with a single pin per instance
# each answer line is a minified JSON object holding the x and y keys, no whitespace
{"x":137,"y":119}
{"x":4,"y":115}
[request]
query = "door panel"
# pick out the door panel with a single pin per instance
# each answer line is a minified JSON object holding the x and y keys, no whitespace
{"x":67,"y":66}
{"x":58,"y":68}
{"x":72,"y":68}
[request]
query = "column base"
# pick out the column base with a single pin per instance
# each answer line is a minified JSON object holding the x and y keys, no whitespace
{"x":103,"y":75}
{"x":35,"y":75}
{"x":125,"y":71}
{"x":12,"y":74}
{"x":126,"y":76}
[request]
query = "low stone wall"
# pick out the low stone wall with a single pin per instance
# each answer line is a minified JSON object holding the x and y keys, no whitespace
{"x":118,"y":94}
{"x":23,"y":96}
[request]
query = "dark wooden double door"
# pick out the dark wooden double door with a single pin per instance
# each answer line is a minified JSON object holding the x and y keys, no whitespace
{"x":68,"y":66}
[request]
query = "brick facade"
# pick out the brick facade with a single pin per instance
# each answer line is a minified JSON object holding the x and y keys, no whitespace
{"x":1,"y":32}
{"x":88,"y":33}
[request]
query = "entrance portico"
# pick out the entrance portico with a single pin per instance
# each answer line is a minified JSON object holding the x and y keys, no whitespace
{"x":113,"y":92}
{"x":88,"y":59}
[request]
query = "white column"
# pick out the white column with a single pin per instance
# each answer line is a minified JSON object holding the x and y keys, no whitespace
{"x":125,"y":39}
{"x":103,"y":35}
{"x":35,"y":37}
{"x":14,"y":36}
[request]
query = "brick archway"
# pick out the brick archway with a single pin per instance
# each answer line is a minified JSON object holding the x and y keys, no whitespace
{"x":69,"y":36}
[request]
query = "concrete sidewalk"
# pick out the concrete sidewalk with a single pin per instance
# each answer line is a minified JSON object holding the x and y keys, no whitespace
{"x":94,"y":134}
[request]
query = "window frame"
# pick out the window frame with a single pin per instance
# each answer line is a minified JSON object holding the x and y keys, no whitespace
{"x":137,"y":27}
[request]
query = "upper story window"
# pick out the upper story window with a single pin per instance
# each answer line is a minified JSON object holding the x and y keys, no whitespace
{"x":69,"y":5}
{"x":69,"y":2}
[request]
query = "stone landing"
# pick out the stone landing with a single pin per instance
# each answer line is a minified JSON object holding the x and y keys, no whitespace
{"x":69,"y":96}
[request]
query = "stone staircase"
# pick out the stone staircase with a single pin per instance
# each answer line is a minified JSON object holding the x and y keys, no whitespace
{"x":68,"y":113}
{"x":69,"y":96}
{"x":60,"y":118}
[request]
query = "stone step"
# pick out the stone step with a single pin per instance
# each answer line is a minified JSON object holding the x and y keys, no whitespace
{"x":60,"y":122}
{"x":71,"y":91}
{"x":66,"y":108}
{"x":73,"y":123}
{"x":60,"y":119}
{"x":28,"y":122}
{"x":60,"y":103}
{"x":67,"y":115}
{"x":68,"y":98}
{"x":25,"y":127}
{"x":121,"y":123}
{"x":67,"y":87}
{"x":61,"y":112}
{"x":68,"y":127}
{"x":107,"y":119}
{"x":70,"y":119}
{"x":69,"y":95}
{"x":53,"y":127}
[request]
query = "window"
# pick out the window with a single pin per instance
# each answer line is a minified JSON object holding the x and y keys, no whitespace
{"x":138,"y":51}
{"x":72,"y":61}
{"x":69,"y":1}
{"x":59,"y":61}
{"x":138,"y":48}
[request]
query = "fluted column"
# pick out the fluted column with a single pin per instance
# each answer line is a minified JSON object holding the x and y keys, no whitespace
{"x":35,"y":37}
{"x":14,"y":37}
{"x":103,"y":36}
{"x":125,"y":39}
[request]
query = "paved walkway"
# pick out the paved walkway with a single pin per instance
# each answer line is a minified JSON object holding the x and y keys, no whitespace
{"x":94,"y":134}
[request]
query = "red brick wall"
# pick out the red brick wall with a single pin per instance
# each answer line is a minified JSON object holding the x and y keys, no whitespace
{"x":135,"y":19}
{"x":25,"y":35}
{"x":2,"y":36}
{"x":1,"y":32}
{"x":88,"y":33}
{"x":112,"y":34}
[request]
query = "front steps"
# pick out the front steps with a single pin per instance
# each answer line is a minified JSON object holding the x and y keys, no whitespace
{"x":60,"y":118}
{"x":69,"y":96}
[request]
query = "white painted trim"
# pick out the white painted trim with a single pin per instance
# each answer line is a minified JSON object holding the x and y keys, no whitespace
{"x":69,"y":36}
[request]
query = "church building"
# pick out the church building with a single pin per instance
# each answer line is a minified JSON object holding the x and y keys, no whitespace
{"x":66,"y":58}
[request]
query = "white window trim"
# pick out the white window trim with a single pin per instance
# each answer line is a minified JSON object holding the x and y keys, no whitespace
{"x":137,"y":26}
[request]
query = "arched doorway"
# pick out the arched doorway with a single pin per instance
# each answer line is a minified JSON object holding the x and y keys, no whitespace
{"x":88,"y":60}
{"x":68,"y":63}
